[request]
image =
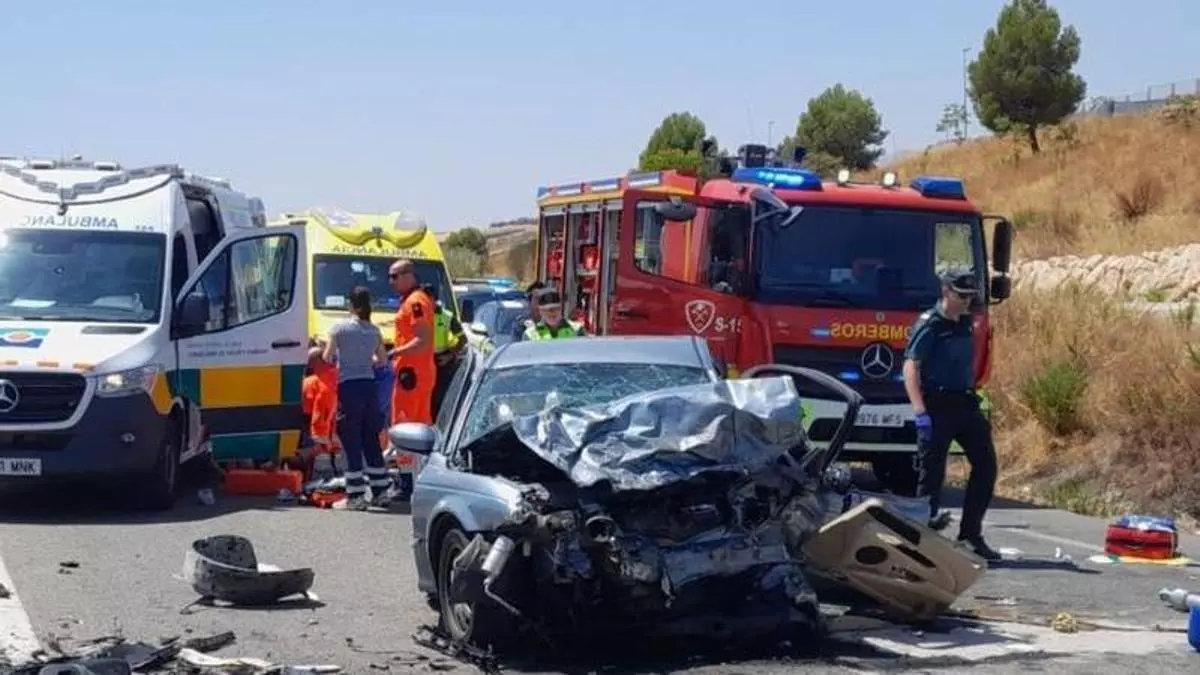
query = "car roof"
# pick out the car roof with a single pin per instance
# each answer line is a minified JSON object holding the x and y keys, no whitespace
{"x":661,"y":350}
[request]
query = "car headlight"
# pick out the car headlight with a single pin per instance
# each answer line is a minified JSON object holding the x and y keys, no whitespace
{"x":125,"y":382}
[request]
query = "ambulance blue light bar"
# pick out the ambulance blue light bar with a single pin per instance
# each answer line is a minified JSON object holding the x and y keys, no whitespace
{"x":774,"y":176}
{"x":939,"y":187}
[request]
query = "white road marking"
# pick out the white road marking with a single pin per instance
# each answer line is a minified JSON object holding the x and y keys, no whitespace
{"x":1053,"y":538}
{"x":18,"y":642}
{"x":977,"y":642}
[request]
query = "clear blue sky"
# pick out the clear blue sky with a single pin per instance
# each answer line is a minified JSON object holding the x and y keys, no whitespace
{"x":460,"y":112}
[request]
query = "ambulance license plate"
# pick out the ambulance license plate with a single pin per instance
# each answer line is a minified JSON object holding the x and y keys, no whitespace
{"x":871,"y":418}
{"x":20,"y":466}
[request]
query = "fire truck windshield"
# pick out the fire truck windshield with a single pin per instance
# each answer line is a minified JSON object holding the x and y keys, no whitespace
{"x":872,"y":258}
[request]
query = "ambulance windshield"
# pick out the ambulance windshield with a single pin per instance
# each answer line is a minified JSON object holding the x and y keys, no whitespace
{"x":59,"y":275}
{"x":870,"y":258}
{"x":334,"y":276}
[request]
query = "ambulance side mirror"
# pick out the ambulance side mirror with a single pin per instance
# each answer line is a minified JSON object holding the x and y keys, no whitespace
{"x":479,"y":328}
{"x":191,"y":316}
{"x":411,"y":437}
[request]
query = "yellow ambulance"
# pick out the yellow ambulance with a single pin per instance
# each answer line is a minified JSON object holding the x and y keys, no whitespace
{"x":346,"y":250}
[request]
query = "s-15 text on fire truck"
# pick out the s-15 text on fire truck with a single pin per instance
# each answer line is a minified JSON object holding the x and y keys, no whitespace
{"x":772,"y":264}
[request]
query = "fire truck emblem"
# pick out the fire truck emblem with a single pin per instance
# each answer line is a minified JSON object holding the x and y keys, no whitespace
{"x":700,"y":314}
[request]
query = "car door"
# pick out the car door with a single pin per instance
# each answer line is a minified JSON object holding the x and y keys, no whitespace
{"x":239,"y":327}
{"x":661,"y":275}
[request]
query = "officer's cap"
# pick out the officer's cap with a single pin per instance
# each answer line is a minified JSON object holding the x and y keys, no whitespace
{"x":961,"y":281}
{"x":549,"y":298}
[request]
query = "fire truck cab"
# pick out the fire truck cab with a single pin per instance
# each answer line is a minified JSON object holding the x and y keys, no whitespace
{"x":773,"y":265}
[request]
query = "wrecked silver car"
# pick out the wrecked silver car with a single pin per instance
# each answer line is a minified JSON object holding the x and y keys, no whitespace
{"x":617,"y":482}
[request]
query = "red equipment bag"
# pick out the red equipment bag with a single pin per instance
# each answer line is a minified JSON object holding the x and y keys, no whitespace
{"x":1136,"y":543}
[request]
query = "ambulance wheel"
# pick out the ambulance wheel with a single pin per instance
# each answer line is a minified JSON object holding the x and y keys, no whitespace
{"x":473,"y":620}
{"x":157,"y":491}
{"x":897,"y":473}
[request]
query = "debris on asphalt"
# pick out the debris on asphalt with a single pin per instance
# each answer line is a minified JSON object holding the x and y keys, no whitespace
{"x":1111,"y":559}
{"x":1011,"y":554}
{"x":1179,"y":599}
{"x":226,"y":568}
{"x":211,"y":643}
{"x":1064,"y":622}
{"x":4,"y":592}
{"x":244,"y":665}
{"x":913,"y":573}
{"x":434,"y":638}
{"x":69,"y":564}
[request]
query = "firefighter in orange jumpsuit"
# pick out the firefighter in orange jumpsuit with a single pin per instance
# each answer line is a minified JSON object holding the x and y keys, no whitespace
{"x":415,"y":368}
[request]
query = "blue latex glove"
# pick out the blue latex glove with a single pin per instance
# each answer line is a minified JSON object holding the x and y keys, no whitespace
{"x":924,"y":424}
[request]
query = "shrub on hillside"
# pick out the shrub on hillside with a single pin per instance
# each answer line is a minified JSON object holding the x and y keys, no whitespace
{"x":1055,"y":395}
{"x":1143,"y":197}
{"x":462,"y":262}
{"x":519,"y":260}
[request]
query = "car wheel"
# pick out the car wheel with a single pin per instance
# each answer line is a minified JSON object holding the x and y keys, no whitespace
{"x":157,"y":490}
{"x":467,"y":620}
{"x":897,"y":473}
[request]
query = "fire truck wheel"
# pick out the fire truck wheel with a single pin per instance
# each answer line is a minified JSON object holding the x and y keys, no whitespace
{"x":896,"y":472}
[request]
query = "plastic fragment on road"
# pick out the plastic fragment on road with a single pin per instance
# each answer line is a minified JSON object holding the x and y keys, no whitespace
{"x":1011,"y":554}
{"x":244,"y":665}
{"x":910,"y":570}
{"x":225,"y":567}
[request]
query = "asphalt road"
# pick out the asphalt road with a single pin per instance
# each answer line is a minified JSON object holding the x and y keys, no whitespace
{"x":128,"y":582}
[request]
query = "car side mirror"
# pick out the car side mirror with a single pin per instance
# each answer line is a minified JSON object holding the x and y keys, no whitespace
{"x":413,"y":437}
{"x":468,"y":311}
{"x":479,"y":328}
{"x":191,"y":316}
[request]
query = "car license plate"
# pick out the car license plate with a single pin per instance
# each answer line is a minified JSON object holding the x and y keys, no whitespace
{"x":871,"y":418}
{"x":20,"y":466}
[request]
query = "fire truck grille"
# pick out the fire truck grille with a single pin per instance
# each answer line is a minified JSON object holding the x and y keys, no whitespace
{"x":823,"y":430}
{"x":40,"y":397}
{"x":838,"y":361}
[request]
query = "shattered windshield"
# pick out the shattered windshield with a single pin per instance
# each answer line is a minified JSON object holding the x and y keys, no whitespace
{"x":512,"y":392}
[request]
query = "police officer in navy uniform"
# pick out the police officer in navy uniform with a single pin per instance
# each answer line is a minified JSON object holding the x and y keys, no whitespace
{"x":940,"y":381}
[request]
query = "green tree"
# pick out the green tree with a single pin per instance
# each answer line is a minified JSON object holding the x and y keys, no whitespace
{"x":1022,"y":78}
{"x":677,"y":143}
{"x":953,"y":122}
{"x":470,"y":238}
{"x":840,"y":126}
{"x":463,"y":262}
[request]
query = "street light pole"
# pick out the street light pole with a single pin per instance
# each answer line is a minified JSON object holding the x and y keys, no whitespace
{"x":966,"y":116}
{"x":770,"y":124}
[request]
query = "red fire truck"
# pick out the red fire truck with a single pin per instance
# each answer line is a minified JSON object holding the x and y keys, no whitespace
{"x":772,"y":265}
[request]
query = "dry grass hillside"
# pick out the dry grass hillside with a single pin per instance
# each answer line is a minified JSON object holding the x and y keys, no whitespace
{"x":1097,"y":403}
{"x":1100,"y":185}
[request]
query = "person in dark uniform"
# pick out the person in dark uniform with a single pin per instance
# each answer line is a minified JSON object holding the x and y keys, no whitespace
{"x":940,"y":381}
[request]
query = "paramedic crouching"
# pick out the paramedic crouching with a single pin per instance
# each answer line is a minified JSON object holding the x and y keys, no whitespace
{"x":940,"y":381}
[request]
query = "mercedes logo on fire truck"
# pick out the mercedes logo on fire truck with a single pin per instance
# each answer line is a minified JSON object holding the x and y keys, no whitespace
{"x":877,"y":360}
{"x":10,"y":397}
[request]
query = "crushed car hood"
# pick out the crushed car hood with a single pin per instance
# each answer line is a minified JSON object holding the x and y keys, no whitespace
{"x":650,"y":440}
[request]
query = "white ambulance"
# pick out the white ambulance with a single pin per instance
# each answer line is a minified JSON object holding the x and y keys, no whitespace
{"x":147,"y":316}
